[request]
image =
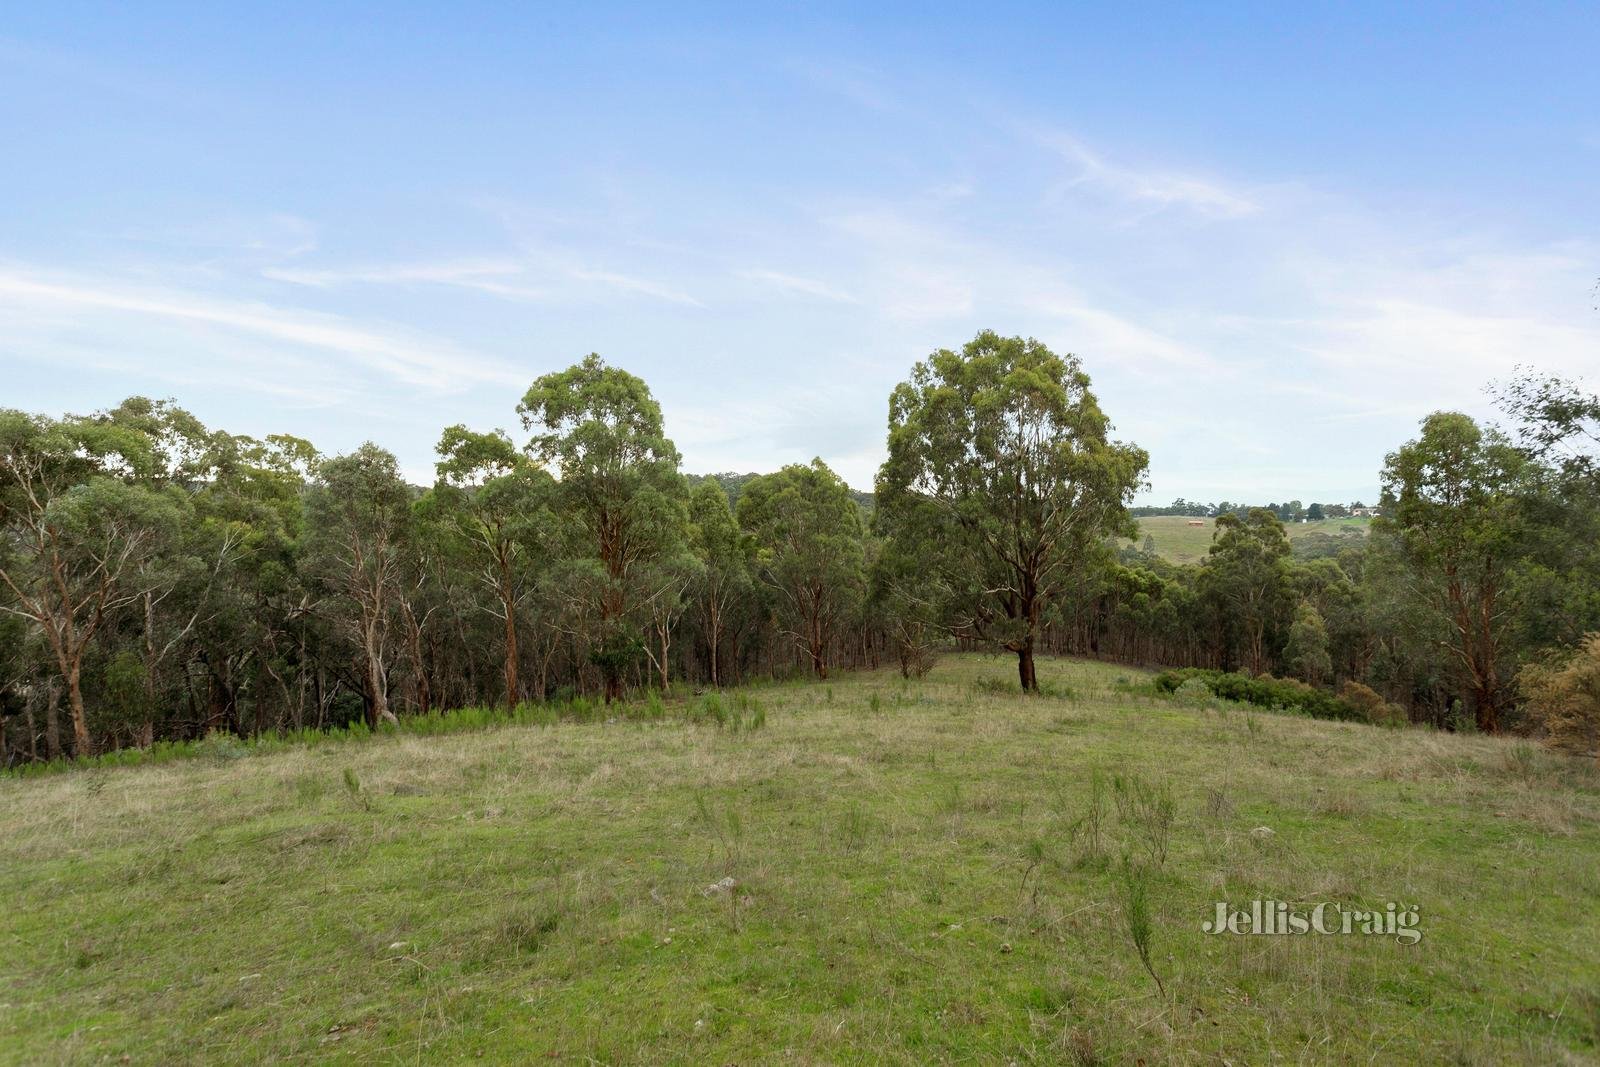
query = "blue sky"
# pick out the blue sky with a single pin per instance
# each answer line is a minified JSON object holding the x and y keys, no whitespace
{"x":1277,"y":235}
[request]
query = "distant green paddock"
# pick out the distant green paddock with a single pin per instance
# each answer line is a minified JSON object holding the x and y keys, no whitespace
{"x":1180,"y":542}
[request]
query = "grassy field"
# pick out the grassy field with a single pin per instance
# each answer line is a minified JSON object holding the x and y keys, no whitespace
{"x":1179,"y":542}
{"x":919,"y":873}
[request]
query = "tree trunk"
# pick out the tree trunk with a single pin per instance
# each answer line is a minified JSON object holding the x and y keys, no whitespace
{"x":666,"y":639}
{"x":33,"y":736}
{"x":380,"y":696}
{"x":511,"y":651}
{"x":715,"y":636}
{"x":1027,"y":677}
{"x":817,"y":643}
{"x":52,"y":721}
{"x":82,"y":744}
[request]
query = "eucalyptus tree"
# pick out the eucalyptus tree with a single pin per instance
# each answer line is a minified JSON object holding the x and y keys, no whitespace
{"x":1247,"y":570}
{"x":359,"y":522}
{"x":806,"y":529}
{"x":78,"y":536}
{"x":1558,"y":586}
{"x":666,"y":585}
{"x":910,"y":599}
{"x":266,"y":593}
{"x":1003,"y":449}
{"x":724,"y":577}
{"x":1306,"y":651}
{"x":1456,"y":501}
{"x":498,"y":501}
{"x":618,"y":488}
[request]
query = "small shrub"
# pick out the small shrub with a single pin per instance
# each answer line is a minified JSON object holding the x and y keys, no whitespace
{"x":711,"y":710}
{"x":746,"y":714}
{"x":1563,"y":697}
{"x":1149,"y":809}
{"x":727,"y":826}
{"x":1374,"y":709}
{"x":654,"y":707}
{"x":1135,"y":886}
{"x":1194,"y":692}
{"x":352,"y":786}
{"x":1033,"y":854}
{"x":1086,"y":829}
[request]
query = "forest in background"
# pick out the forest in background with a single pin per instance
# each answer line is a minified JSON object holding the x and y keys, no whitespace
{"x":162,"y":580}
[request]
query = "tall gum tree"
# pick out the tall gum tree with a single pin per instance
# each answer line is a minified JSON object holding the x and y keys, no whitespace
{"x":724,"y":555}
{"x":806,"y":529}
{"x":497,"y":500}
{"x":79,"y":525}
{"x":600,"y":431}
{"x":1456,"y":499}
{"x":359,"y":519}
{"x":1004,"y":450}
{"x":1247,"y":570}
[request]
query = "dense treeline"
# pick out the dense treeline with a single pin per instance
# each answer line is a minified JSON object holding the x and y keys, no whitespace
{"x":162,"y":579}
{"x":1474,"y":591}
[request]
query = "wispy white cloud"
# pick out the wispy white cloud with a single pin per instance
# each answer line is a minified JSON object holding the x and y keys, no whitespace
{"x":790,"y":283}
{"x":272,"y":237}
{"x":629,"y":284}
{"x":1152,"y":189}
{"x":544,"y":279}
{"x":391,"y":351}
{"x":1108,"y":334}
{"x":479,"y":275}
{"x":446,"y":273}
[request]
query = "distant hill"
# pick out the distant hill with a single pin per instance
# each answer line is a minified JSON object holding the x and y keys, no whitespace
{"x":1179,"y":541}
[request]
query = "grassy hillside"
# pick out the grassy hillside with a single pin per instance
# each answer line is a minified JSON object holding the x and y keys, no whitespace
{"x":916,"y":877}
{"x":1179,"y":542}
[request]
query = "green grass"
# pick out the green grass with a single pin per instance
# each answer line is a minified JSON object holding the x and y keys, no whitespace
{"x":1179,"y":542}
{"x":937,"y":871}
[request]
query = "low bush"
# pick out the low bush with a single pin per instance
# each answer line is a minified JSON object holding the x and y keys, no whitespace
{"x":1372,"y":706}
{"x":1194,"y":693}
{"x":1265,"y":691}
{"x":1563,"y":695}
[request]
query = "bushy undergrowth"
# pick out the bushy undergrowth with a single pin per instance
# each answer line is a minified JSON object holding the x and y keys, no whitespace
{"x":1264,"y":690}
{"x":1372,"y":706}
{"x":738,"y":712}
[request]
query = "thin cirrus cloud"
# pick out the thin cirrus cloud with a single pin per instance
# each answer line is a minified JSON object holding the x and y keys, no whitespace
{"x":394,"y":353}
{"x":1147,"y":189}
{"x":508,"y":278}
{"x":796,"y":285}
